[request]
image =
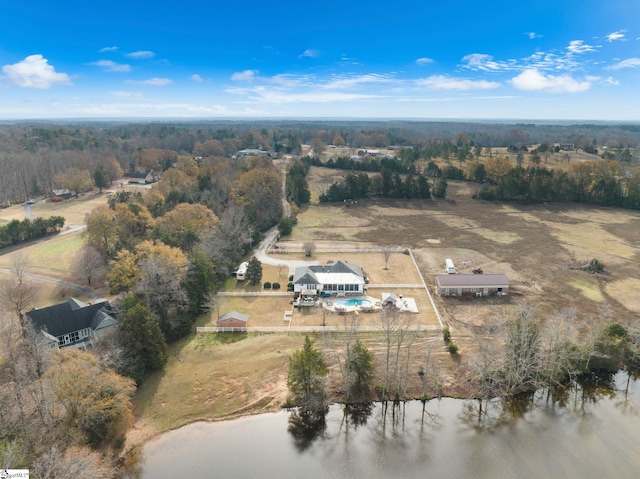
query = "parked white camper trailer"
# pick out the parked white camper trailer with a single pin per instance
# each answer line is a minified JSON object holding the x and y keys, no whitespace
{"x":449,"y":267}
{"x":241,"y":274}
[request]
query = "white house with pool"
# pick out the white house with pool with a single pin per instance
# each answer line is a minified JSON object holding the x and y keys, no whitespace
{"x":332,"y":279}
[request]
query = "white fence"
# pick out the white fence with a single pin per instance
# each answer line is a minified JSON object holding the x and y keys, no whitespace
{"x":303,"y":329}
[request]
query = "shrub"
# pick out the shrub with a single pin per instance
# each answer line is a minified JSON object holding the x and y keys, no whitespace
{"x":290,"y":286}
{"x":267,"y":285}
{"x":446,"y":335}
{"x":452,"y":348}
{"x":290,"y":277}
{"x":275,"y":285}
{"x":595,"y":266}
{"x":285,"y":226}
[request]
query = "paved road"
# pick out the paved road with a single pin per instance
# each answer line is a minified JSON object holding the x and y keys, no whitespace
{"x":27,"y":211}
{"x":261,"y":253}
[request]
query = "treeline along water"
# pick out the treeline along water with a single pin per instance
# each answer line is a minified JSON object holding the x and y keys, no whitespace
{"x":589,"y":430}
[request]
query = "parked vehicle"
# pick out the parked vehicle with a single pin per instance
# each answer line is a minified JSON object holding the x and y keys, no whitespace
{"x":449,"y":267}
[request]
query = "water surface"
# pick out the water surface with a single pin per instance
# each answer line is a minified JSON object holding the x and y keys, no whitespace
{"x":583,"y":433}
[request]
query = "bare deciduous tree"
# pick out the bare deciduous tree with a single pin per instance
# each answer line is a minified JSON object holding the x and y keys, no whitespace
{"x":18,"y":291}
{"x":309,"y":248}
{"x":386,"y":254}
{"x":77,"y":462}
{"x":88,"y":263}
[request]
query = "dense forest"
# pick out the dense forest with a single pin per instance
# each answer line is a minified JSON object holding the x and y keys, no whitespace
{"x":36,"y":158}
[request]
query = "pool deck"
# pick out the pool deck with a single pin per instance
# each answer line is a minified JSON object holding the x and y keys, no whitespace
{"x":404,"y":305}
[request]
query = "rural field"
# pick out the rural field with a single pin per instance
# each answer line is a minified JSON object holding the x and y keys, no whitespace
{"x":538,"y":247}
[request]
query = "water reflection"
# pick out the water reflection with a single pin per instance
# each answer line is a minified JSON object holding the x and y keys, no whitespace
{"x":587,"y":430}
{"x":306,"y":426}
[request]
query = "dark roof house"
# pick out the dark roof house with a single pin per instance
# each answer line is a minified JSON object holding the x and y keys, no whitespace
{"x":73,"y":323}
{"x":142,"y":177}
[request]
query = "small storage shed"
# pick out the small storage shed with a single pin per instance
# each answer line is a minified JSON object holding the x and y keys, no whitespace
{"x":473,"y":284}
{"x":233,"y":321}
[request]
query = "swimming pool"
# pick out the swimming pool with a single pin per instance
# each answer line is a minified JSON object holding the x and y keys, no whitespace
{"x":354,"y":302}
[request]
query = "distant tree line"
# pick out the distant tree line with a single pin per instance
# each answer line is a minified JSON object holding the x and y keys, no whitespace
{"x":17,"y":231}
{"x":603,"y":184}
{"x":386,"y":184}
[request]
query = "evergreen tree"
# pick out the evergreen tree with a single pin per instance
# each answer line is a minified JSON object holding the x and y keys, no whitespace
{"x":254,"y":271}
{"x":100,"y":179}
{"x":306,"y":380}
{"x":141,"y":338}
{"x":359,"y":368}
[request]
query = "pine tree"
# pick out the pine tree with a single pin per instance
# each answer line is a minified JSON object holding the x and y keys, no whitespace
{"x":306,"y":379}
{"x":141,"y":337}
{"x":254,"y":271}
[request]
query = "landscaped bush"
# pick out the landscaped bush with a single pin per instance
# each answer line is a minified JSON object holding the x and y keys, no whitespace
{"x":275,"y":285}
{"x":290,"y":277}
{"x":267,"y":285}
{"x":290,"y":286}
{"x":446,"y":335}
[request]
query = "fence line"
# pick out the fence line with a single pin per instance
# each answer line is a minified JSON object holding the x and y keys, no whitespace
{"x":335,"y":250}
{"x":302,"y":329}
{"x":433,"y":304}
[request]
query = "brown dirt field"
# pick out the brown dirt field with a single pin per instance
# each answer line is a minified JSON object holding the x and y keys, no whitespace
{"x":400,"y":267}
{"x":535,"y":245}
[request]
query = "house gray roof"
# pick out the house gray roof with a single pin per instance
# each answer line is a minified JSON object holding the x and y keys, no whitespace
{"x":139,"y":174}
{"x":307,"y":274}
{"x":71,"y":316}
{"x":234,"y":315}
{"x":472,"y":280}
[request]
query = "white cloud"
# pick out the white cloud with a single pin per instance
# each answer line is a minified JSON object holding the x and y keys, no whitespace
{"x":348,"y":82}
{"x":533,"y":35}
{"x":264,"y":95}
{"x":128,"y":94}
{"x":35,"y":72}
{"x":286,"y":81}
{"x":197,"y":78}
{"x":247,"y":75}
{"x":443,"y":82}
{"x":533,"y":80}
{"x":310,"y":54}
{"x":108,"y":49}
{"x":141,"y":54}
{"x":152,"y":81}
{"x":424,"y":61}
{"x":578,"y":46}
{"x":484,"y":62}
{"x":619,"y":35}
{"x":110,"y":66}
{"x":628,"y":63}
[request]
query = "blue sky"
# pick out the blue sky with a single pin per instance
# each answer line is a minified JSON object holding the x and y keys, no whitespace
{"x":538,"y":59}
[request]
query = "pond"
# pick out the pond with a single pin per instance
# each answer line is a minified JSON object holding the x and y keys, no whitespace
{"x":584,"y":431}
